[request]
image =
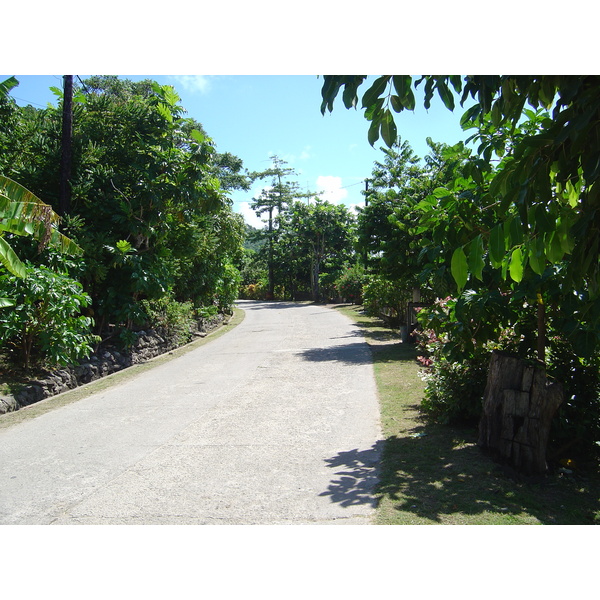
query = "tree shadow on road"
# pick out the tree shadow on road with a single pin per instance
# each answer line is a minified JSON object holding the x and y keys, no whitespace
{"x":356,"y":353}
{"x":357,"y":477}
{"x":431,"y":475}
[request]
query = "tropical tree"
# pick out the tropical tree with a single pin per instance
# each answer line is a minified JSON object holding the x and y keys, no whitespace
{"x":548,"y":172}
{"x":273,"y":200}
{"x":325,"y":233}
{"x":147,"y":203}
{"x":518,"y":229}
{"x":22,"y":213}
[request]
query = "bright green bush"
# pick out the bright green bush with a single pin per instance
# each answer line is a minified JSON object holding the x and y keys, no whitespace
{"x":227,"y":287}
{"x":46,"y":324}
{"x":175,"y":319}
{"x":382,"y":296}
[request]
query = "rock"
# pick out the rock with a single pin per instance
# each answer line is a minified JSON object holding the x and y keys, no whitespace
{"x":8,"y":404}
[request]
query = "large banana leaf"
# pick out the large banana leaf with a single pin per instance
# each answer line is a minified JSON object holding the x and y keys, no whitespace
{"x":10,"y":260}
{"x":7,"y":85}
{"x":23,"y":213}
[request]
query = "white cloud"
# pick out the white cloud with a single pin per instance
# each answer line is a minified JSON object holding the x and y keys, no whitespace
{"x":250,"y":216}
{"x":330,"y":188}
{"x":194,"y":83}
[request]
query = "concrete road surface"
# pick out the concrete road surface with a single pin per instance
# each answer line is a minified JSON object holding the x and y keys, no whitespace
{"x":275,"y":422}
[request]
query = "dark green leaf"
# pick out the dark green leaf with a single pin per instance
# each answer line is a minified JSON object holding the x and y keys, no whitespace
{"x":516,"y":231}
{"x":497,"y":247}
{"x":459,"y":268}
{"x":476,"y":262}
{"x":373,"y":134}
{"x":7,"y":85}
{"x":402,"y":85}
{"x":373,"y":93}
{"x":445,"y":94}
{"x":409,"y":101}
{"x":470,"y":115}
{"x":537,"y":257}
{"x":396,"y":104}
{"x":389,"y":132}
{"x":554,"y":249}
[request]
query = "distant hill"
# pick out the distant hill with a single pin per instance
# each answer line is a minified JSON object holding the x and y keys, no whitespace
{"x":253,"y":241}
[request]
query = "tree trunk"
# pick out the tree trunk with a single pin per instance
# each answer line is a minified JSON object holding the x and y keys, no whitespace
{"x":315,"y":268}
{"x":518,"y":407}
{"x":64,"y":202}
{"x":271,"y":291}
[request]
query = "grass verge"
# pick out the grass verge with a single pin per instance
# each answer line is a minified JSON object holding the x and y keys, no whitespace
{"x":48,"y":404}
{"x":436,"y":474}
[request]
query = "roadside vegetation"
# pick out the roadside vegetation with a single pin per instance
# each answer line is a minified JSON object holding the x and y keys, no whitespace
{"x":114,"y":218}
{"x":434,"y":473}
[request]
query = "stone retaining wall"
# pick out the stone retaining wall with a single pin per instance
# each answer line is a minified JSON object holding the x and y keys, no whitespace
{"x":107,"y":360}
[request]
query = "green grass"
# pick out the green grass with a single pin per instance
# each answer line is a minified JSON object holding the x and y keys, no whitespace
{"x":436,"y":474}
{"x":39,"y":408}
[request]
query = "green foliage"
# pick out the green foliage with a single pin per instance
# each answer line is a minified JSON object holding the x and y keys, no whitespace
{"x":303,"y":245}
{"x":349,"y":284}
{"x":323,"y":232}
{"x":175,"y":319}
{"x":24,"y":214}
{"x":382,"y":296}
{"x":575,"y":430}
{"x":274,"y":201}
{"x":227,"y":288}
{"x":454,"y":369}
{"x":45,"y":323}
{"x":544,"y":187}
{"x":252,"y":267}
{"x":148,"y":203}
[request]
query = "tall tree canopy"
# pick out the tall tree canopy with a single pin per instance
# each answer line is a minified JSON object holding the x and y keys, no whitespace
{"x":553,"y":167}
{"x":528,"y":202}
{"x":149,"y":202}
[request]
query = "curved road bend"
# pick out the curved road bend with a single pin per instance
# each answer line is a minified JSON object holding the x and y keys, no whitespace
{"x":276,"y":422}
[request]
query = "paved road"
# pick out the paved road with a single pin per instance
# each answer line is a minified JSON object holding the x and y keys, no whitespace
{"x":276,"y":422}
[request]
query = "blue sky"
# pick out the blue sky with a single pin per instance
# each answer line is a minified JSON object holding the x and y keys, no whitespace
{"x":257,"y":116}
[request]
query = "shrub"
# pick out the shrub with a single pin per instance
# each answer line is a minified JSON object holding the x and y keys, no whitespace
{"x":453,"y":389}
{"x":575,"y":429}
{"x":385,"y":297}
{"x":227,"y":288}
{"x":176,"y":319}
{"x":349,"y":284}
{"x":253,"y":291}
{"x":46,"y":323}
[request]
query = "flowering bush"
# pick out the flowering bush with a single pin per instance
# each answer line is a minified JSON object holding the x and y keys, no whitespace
{"x":349,"y":284}
{"x":454,"y":387}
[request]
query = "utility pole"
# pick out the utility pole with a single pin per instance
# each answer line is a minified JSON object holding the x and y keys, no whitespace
{"x":64,"y":198}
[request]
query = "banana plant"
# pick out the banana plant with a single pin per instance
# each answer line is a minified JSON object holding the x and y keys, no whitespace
{"x":23,"y":213}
